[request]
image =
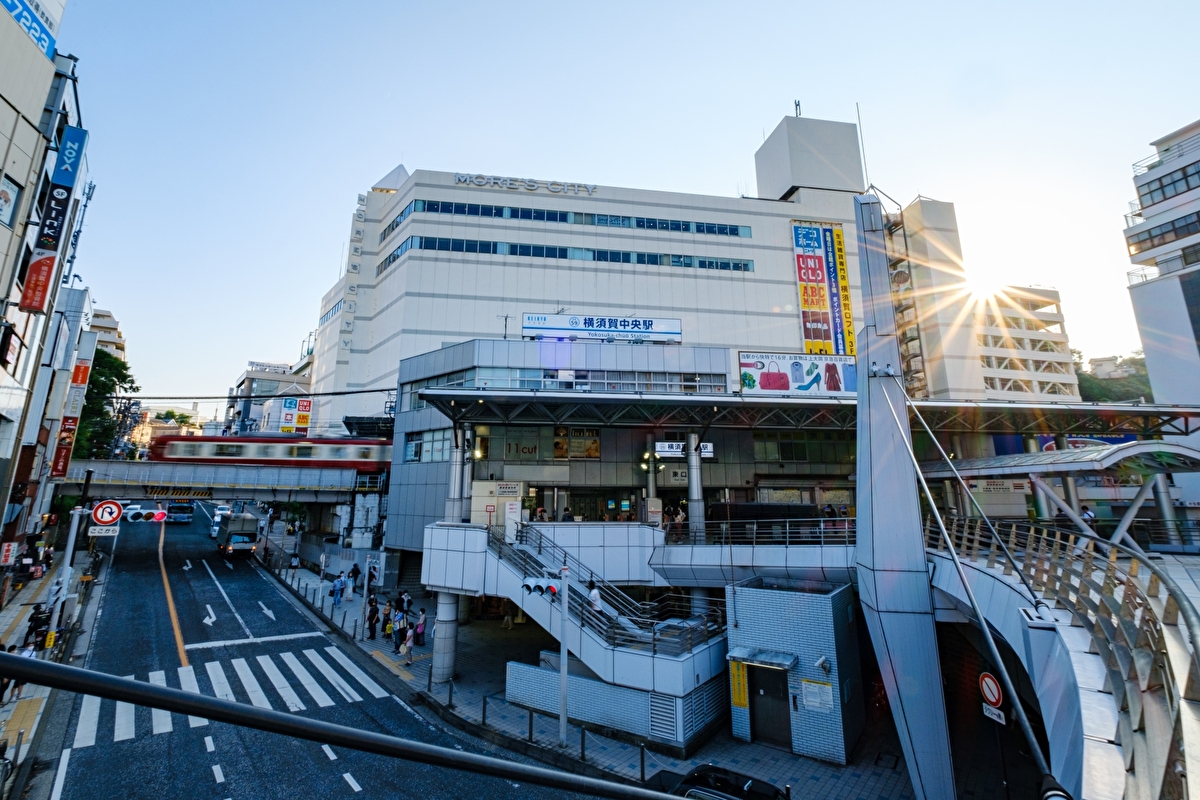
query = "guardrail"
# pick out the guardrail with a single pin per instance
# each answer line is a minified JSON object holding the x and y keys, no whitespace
{"x":1118,"y":596}
{"x":831,"y":531}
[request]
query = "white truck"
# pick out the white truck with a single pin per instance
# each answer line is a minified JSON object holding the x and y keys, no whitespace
{"x":237,"y":534}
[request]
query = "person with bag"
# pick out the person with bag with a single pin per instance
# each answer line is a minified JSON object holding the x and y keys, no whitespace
{"x":420,"y":637}
{"x":398,"y":627}
{"x":407,"y":647}
{"x":372,"y":616}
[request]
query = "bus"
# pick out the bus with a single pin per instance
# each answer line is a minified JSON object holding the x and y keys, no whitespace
{"x":180,"y":511}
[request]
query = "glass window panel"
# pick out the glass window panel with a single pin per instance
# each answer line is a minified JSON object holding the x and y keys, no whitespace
{"x":639,"y":222}
{"x":539,"y":251}
{"x":457,"y":245}
{"x":524,"y":250}
{"x":676,"y":225}
{"x":472,"y":209}
{"x":539,"y":215}
{"x":460,"y":208}
{"x":723,"y":230}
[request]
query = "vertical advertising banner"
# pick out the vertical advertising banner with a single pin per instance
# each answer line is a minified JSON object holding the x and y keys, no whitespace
{"x":40,"y":275}
{"x":826,"y":318}
{"x":74,"y":407}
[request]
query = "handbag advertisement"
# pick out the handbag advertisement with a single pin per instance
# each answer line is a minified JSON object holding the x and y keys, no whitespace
{"x":803,"y":374}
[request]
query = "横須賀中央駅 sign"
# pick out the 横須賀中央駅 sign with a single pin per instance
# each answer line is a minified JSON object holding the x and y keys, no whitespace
{"x":529,"y":184}
{"x":597,"y":326}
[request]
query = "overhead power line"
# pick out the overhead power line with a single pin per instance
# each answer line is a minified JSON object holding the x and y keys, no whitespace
{"x":241,"y":397}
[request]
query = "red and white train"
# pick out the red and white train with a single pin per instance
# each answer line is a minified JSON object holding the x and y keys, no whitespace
{"x":363,"y":455}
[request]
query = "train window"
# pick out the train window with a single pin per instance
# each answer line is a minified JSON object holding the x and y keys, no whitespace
{"x":337,"y":452}
{"x":266,"y":451}
{"x":364,"y":453}
{"x":301,"y":451}
{"x":189,"y":449}
{"x":228,"y":450}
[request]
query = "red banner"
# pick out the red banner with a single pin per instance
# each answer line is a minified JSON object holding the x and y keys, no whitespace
{"x":62,"y":451}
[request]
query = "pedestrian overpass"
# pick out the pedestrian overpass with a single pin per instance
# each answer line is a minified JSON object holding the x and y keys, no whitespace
{"x":150,"y":480}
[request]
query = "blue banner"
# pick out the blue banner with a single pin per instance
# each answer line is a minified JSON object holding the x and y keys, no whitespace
{"x":835,"y":295}
{"x":70,"y":156}
{"x":29,"y":21}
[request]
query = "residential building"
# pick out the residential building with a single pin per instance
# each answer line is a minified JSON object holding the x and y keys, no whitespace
{"x":246,"y":410}
{"x":1109,"y":368}
{"x":108,"y":329}
{"x":1162,"y":236}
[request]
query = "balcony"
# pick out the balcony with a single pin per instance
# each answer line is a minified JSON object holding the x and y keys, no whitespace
{"x":1187,"y":147}
{"x":1164,"y":266}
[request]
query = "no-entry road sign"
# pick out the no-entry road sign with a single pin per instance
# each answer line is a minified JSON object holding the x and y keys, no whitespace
{"x":107,"y":512}
{"x":990,"y":687}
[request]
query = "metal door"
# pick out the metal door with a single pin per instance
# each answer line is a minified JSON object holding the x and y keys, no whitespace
{"x":770,"y":719}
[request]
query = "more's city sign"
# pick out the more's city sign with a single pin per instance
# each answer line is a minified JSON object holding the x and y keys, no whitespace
{"x":528,"y":184}
{"x":805,"y":374}
{"x":595,"y":325}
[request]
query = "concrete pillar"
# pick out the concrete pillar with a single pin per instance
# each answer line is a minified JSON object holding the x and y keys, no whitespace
{"x":445,"y":637}
{"x":454,"y":496}
{"x":700,"y":603}
{"x":695,"y":510}
{"x":651,"y":468}
{"x":951,"y":497}
{"x":1166,"y":510}
{"x":1070,"y":490}
{"x":1041,"y":505}
{"x":468,"y":469}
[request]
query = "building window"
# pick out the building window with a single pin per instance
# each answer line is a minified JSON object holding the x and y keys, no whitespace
{"x":568,"y":217}
{"x":1183,"y":227}
{"x":331,"y":313}
{"x":828,"y":447}
{"x":1169,"y":185}
{"x":552,"y":251}
{"x":10,"y":198}
{"x":426,"y":447}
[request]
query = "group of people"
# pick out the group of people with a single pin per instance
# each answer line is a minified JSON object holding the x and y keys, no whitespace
{"x":346,"y":583}
{"x":405,"y":627}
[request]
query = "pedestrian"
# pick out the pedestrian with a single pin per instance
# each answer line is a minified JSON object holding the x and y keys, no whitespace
{"x":372,"y":616}
{"x":828,"y":511}
{"x":421,"y":630}
{"x":405,"y":605}
{"x":567,"y":516}
{"x":398,"y":628}
{"x":28,"y":652}
{"x":339,"y":586}
{"x":353,"y":577}
{"x":409,"y":634}
{"x":508,"y":615}
{"x":295,"y":564}
{"x":1088,"y":516}
{"x":594,"y":596}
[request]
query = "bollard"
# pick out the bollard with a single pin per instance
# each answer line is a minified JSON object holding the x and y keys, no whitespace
{"x":787,"y":791}
{"x":484,"y":723}
{"x":344,"y":613}
{"x":429,"y":686}
{"x":16,"y":759}
{"x":450,"y":698}
{"x":643,"y":762}
{"x":356,"y":629}
{"x":531,"y":724}
{"x":582,"y":743}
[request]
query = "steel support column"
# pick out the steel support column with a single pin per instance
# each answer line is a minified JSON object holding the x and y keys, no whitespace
{"x":1166,"y":509}
{"x":695,"y":512}
{"x":1041,"y":506}
{"x":445,"y":637}
{"x":1070,"y":489}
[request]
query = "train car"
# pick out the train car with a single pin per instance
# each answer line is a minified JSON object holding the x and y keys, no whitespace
{"x":363,"y":455}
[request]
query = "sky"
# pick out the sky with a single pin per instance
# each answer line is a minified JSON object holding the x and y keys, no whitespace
{"x":229,"y":140}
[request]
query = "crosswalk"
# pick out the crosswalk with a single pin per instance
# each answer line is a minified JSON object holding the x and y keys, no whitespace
{"x":292,"y":687}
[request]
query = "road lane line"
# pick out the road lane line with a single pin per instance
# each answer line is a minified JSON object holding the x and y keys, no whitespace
{"x":283,"y":637}
{"x":89,"y":715}
{"x":187,"y":681}
{"x":290,"y":699}
{"x":216,"y":676}
{"x":208,"y":744}
{"x":250,"y":683}
{"x":329,"y":752}
{"x":228,"y":602}
{"x":220,"y":776}
{"x":60,"y":777}
{"x":183,"y":660}
{"x":371,"y":686}
{"x":350,"y":780}
{"x":123,"y":725}
{"x":160,"y":720}
{"x":306,"y":680}
{"x":331,"y":675}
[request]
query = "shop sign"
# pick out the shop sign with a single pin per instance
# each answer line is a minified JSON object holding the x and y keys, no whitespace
{"x":823,"y":280}
{"x":802,"y":374}
{"x":51,"y":232}
{"x":557,"y":187}
{"x":677,"y":449}
{"x":737,"y":684}
{"x":999,"y":486}
{"x":508,"y":489}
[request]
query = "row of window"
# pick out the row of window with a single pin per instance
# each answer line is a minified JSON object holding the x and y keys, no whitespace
{"x":427,"y":446}
{"x":1026,"y":365}
{"x":594,"y":380}
{"x":1169,"y":185}
{"x":552,"y":251}
{"x":1028,"y":386}
{"x":827,"y":447}
{"x":331,"y":313}
{"x":1162,"y":234}
{"x":1016,"y":343}
{"x":571,"y":217}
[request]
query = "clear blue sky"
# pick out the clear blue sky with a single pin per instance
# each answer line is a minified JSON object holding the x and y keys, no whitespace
{"x":229,"y":140}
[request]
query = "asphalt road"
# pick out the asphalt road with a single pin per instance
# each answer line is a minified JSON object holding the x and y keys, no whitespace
{"x":285,"y":662}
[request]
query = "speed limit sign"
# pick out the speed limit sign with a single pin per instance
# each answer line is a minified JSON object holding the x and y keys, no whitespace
{"x":107,"y":512}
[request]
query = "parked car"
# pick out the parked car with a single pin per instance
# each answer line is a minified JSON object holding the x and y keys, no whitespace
{"x":716,"y":783}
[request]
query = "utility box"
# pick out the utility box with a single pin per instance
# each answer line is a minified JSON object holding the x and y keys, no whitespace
{"x":794,"y":670}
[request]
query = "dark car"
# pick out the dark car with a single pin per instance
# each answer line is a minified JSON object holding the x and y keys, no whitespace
{"x":716,"y":783}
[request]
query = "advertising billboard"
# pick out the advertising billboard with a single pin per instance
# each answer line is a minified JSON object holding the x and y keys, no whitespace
{"x":801,"y":374}
{"x":594,"y":325}
{"x":826,"y":318}
{"x":51,"y":233}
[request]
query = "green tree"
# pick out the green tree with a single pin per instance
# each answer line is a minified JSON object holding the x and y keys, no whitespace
{"x":179,"y":418}
{"x":97,"y":425}
{"x":1115,"y":390}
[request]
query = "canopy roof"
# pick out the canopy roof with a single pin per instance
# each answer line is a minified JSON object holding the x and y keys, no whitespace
{"x":1141,"y":458}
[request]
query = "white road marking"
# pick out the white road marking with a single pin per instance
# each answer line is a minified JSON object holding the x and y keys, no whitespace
{"x":187,"y":682}
{"x":89,"y":715}
{"x":350,"y":780}
{"x":221,"y":589}
{"x":343,"y":688}
{"x":123,"y":725}
{"x":229,"y":564}
{"x":220,"y":776}
{"x":160,"y":720}
{"x":266,"y":610}
{"x":306,"y":680}
{"x":329,"y":752}
{"x":253,"y":640}
{"x":211,"y":618}
{"x":409,"y":709}
{"x":217,"y":676}
{"x":371,"y":686}
{"x":208,"y":744}
{"x":290,"y":699}
{"x":60,"y":777}
{"x":188,"y":565}
{"x":250,"y":683}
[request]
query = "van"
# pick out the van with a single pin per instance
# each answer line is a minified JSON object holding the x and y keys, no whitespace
{"x":237,"y":534}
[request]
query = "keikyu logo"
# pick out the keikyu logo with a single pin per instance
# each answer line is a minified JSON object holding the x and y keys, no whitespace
{"x":573,"y":322}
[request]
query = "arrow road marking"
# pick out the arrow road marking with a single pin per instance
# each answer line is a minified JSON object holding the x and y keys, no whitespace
{"x":266,"y":610}
{"x":211,"y":618}
{"x":229,"y":564}
{"x":188,"y":566}
{"x":228,"y":602}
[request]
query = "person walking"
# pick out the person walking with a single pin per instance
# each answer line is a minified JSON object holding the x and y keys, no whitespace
{"x":295,"y":564}
{"x":405,"y":605}
{"x":507,"y":624}
{"x":1088,"y":516}
{"x":29,"y":652}
{"x":339,"y":586}
{"x":409,"y":635}
{"x":398,"y":628}
{"x":567,"y":516}
{"x":353,"y":578}
{"x":420,"y":637}
{"x":372,"y":616}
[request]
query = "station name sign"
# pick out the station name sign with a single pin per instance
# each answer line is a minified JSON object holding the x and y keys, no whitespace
{"x":597,"y":326}
{"x":557,"y":187}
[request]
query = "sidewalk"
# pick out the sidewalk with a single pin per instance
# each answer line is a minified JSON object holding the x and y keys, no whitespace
{"x":484,"y":649}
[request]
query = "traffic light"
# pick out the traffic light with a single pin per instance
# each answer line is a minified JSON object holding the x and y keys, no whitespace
{"x":147,"y":515}
{"x":543,"y":586}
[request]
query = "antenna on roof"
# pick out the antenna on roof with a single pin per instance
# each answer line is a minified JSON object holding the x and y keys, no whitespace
{"x":862,"y":143}
{"x":797,"y":108}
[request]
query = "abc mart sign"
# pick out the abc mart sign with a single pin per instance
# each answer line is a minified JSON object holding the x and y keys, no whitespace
{"x":557,"y":187}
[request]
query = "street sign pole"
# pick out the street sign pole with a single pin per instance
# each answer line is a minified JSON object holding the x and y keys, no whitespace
{"x":76,"y":514}
{"x":565,"y":594}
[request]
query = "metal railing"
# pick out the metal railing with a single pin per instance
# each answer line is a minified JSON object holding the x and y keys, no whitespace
{"x":1148,"y":533}
{"x":670,"y":625}
{"x":1167,"y":155}
{"x":824,"y":531}
{"x":1119,"y":597}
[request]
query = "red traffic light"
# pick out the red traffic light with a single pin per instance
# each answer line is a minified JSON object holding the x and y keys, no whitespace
{"x":159,"y":516}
